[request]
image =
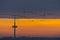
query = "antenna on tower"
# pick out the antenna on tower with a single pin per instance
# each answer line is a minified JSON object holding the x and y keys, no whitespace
{"x":44,"y":13}
{"x":14,"y":26}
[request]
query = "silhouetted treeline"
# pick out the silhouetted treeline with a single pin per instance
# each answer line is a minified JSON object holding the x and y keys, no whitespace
{"x":29,"y":38}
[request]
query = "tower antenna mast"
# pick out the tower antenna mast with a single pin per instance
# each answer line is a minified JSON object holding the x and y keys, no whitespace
{"x":14,"y":26}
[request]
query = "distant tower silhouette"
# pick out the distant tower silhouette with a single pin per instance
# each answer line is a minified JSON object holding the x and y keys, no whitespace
{"x":14,"y":26}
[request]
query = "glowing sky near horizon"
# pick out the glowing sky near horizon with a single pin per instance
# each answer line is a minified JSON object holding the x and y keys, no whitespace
{"x":31,"y":27}
{"x":30,"y":9}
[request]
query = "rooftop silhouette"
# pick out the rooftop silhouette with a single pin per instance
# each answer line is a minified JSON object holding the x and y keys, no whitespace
{"x":30,"y":38}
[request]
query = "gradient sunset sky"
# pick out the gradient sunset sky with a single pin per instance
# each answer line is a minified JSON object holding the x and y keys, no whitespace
{"x":30,"y":27}
{"x":31,"y":22}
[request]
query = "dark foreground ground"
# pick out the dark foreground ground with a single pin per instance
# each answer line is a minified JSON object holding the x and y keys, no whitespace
{"x":29,"y":38}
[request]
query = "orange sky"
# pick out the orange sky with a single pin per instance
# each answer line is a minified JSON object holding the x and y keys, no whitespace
{"x":31,"y":27}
